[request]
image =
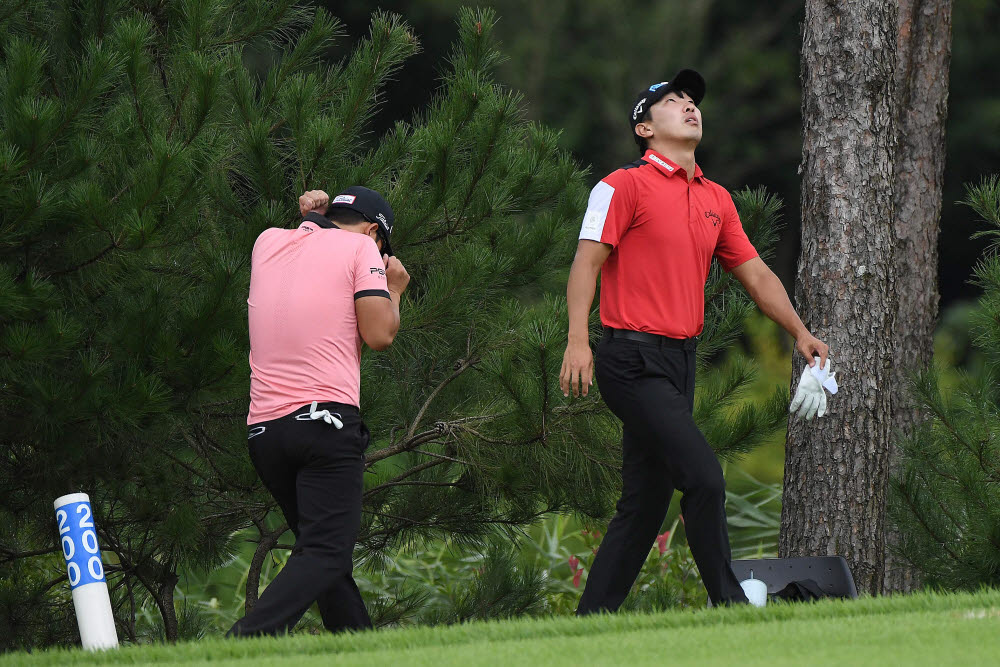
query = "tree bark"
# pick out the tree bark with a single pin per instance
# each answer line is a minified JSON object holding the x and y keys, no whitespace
{"x":836,"y":468}
{"x":165,"y":602}
{"x":924,"y":52}
{"x":267,"y":542}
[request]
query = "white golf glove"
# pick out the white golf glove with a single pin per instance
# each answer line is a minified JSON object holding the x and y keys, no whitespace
{"x":334,"y":418}
{"x":810,"y":399}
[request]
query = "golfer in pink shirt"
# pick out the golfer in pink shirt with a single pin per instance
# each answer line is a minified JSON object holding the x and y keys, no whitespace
{"x":316,"y":293}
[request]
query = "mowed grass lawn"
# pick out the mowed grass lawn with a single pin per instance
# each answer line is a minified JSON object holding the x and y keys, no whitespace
{"x":923,"y":629}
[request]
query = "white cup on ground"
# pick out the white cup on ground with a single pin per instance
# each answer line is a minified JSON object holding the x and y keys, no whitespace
{"x":755,"y":590}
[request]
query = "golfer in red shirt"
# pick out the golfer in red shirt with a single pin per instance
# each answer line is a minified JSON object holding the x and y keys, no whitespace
{"x":651,"y":230}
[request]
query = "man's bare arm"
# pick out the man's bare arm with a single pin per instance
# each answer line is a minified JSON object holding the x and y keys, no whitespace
{"x":578,"y":361}
{"x":770,"y":296}
{"x":378,"y":317}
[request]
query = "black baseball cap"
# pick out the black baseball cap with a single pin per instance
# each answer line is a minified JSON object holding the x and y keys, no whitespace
{"x":686,"y":80}
{"x":370,"y":204}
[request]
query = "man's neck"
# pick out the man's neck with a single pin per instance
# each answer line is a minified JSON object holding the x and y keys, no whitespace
{"x":681,"y":155}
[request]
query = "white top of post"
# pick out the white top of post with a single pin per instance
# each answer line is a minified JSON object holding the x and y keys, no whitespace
{"x":71,"y":498}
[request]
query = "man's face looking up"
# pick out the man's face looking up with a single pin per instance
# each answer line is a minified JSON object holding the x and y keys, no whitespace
{"x":674,"y":118}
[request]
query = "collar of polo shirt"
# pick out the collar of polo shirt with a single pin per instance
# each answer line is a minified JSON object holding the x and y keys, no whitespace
{"x":666,"y":165}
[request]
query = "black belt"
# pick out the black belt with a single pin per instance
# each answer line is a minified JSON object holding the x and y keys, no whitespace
{"x":655,"y":339}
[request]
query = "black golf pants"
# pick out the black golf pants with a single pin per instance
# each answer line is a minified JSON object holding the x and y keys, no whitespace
{"x":650,"y":387}
{"x":314,"y":470}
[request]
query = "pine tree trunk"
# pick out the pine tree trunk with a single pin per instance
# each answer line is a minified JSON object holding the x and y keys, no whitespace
{"x":836,"y":468}
{"x":165,"y":602}
{"x":924,"y":52}
{"x":264,"y":546}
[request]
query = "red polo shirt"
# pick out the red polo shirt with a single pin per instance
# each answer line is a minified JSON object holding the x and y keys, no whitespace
{"x":664,"y":232}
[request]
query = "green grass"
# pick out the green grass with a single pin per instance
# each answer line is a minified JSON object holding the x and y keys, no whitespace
{"x":931,"y":629}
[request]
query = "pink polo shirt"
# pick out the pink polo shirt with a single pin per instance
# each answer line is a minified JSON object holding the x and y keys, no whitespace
{"x":304,"y":340}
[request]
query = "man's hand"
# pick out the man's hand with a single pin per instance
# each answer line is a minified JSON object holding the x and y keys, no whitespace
{"x":396,"y":276}
{"x":809,"y":347}
{"x":314,"y":200}
{"x":577,"y":369}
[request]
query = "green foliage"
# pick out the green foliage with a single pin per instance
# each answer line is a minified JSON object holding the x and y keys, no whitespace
{"x":565,"y":549}
{"x":771,"y":350}
{"x":946,"y":498}
{"x":542,"y":573}
{"x":753,"y":514}
{"x":44,"y":623}
{"x":734,"y":426}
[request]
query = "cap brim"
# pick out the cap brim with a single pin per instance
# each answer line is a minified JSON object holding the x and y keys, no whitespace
{"x":692,"y":82}
{"x":349,"y":207}
{"x":386,"y":247}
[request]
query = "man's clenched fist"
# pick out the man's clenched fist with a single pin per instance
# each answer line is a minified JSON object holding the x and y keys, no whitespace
{"x":395,"y":274}
{"x":314,"y":200}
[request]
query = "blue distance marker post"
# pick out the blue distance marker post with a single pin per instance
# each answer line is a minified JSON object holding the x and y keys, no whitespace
{"x":78,"y":537}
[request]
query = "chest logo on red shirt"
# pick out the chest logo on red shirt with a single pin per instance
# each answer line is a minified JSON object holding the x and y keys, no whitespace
{"x":714,"y":217}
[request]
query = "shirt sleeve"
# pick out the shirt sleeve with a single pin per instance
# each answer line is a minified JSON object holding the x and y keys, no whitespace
{"x":733,"y":247}
{"x":610,"y":210}
{"x":369,"y":271}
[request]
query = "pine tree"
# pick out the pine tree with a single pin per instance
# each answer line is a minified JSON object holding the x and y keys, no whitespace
{"x":945,"y":500}
{"x":141,"y":156}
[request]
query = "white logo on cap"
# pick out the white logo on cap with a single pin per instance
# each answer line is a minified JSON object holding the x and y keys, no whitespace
{"x":660,"y":162}
{"x":382,"y":218}
{"x":638,"y":108}
{"x":344,"y":199}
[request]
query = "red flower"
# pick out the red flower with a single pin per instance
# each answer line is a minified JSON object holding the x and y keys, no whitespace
{"x":576,"y":578}
{"x":661,"y":542}
{"x":597,"y":534}
{"x":574,"y":563}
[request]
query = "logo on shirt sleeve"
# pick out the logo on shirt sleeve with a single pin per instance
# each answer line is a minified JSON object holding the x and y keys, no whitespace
{"x":597,"y":211}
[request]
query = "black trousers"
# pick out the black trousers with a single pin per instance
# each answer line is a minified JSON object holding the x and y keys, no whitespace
{"x":650,"y":387}
{"x":314,"y":471}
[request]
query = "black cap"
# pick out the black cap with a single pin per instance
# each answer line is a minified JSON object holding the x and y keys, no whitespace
{"x":370,"y":204}
{"x":686,"y":80}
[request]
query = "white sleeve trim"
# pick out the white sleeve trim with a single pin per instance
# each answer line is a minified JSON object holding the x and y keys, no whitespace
{"x":597,"y":212}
